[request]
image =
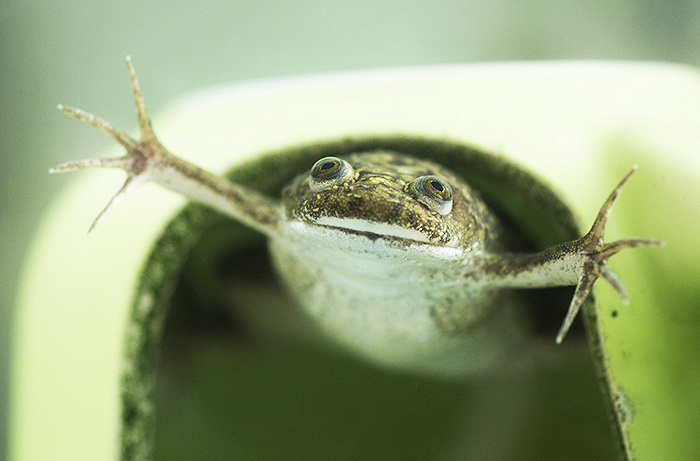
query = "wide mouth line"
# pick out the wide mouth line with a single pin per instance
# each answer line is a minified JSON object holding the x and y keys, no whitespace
{"x":374,"y":236}
{"x":373,"y":230}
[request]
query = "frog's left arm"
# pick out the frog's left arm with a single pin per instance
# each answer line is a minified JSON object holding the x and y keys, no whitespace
{"x":580,"y":262}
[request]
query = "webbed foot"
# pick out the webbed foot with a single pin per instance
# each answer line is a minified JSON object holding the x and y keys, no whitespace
{"x":597,"y":253}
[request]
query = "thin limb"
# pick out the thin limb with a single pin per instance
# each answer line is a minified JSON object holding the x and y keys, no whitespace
{"x":147,"y":159}
{"x":578,"y":263}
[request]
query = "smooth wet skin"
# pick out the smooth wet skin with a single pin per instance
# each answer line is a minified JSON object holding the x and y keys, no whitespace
{"x":394,"y":257}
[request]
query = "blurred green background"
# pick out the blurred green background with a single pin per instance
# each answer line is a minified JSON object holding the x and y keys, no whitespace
{"x":72,"y":52}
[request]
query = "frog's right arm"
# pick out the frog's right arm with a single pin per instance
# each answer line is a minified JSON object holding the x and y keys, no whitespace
{"x":148,"y":160}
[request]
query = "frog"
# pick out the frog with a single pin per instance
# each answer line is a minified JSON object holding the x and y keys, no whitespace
{"x":394,"y":258}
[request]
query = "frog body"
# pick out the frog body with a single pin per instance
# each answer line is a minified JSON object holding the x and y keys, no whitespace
{"x":389,"y":290}
{"x":394,"y":257}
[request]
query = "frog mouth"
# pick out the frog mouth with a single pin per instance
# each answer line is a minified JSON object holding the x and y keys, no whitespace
{"x":372,"y":229}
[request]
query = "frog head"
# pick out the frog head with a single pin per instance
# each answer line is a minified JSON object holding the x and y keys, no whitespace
{"x":384,"y":197}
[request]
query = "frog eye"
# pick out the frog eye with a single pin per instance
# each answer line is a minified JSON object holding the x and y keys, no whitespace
{"x":328,"y":172}
{"x":433,"y":192}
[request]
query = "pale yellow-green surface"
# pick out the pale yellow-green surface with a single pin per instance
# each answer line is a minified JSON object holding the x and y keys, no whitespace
{"x":70,"y":328}
{"x":655,"y":342}
{"x":580,"y":125}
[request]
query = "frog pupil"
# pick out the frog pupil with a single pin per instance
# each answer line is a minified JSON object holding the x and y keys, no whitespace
{"x":437,"y":186}
{"x":327,"y":165}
